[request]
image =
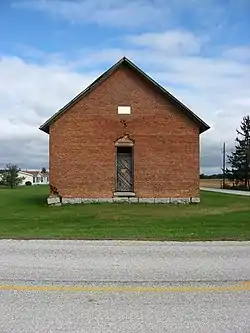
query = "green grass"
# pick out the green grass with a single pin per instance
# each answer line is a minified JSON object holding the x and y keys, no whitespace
{"x":24,"y":214}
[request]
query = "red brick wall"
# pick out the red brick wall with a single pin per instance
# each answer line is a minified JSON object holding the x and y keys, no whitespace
{"x":166,"y":151}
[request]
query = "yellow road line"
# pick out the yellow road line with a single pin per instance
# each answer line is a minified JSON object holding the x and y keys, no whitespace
{"x":121,"y":289}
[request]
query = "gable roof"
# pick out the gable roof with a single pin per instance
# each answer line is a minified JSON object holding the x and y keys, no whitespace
{"x":125,"y":61}
{"x":34,"y":173}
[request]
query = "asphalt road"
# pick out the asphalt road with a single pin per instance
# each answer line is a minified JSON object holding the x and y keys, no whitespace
{"x":81,"y":286}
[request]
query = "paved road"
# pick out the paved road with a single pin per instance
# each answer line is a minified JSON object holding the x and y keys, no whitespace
{"x":80,"y":286}
{"x":220,"y":190}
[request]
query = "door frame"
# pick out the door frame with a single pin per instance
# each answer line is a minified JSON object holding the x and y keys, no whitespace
{"x":126,"y":142}
{"x":132,"y":168}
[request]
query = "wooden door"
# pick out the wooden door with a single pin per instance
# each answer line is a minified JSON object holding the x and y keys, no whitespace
{"x":124,"y":169}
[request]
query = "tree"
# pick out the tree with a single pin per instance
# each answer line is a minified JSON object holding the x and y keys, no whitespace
{"x":239,"y":159}
{"x":44,"y":170}
{"x":10,"y":176}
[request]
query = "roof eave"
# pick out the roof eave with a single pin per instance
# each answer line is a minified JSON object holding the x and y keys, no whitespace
{"x":204,"y":127}
{"x":46,"y":125}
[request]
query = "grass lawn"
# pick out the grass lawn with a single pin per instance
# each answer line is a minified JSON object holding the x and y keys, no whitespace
{"x":24,"y":214}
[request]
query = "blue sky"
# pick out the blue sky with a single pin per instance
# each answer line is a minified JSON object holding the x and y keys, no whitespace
{"x":50,"y":50}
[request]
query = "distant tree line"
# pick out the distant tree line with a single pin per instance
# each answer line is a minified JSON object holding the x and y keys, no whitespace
{"x":213,"y":176}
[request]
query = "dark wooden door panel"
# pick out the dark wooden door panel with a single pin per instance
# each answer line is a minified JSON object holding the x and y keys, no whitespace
{"x":124,"y":172}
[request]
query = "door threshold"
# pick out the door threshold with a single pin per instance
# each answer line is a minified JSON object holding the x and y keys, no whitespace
{"x":124,"y":194}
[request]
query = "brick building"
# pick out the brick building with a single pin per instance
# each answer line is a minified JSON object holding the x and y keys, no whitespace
{"x":124,"y":138}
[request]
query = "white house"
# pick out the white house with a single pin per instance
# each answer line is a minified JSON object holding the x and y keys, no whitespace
{"x":34,"y":176}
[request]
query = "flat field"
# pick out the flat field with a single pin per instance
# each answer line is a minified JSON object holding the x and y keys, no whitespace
{"x":24,"y":214}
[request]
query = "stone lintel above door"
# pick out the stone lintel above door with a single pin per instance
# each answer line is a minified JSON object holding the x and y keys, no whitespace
{"x":124,"y":141}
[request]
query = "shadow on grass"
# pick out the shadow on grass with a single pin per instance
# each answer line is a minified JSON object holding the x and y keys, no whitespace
{"x":34,"y":199}
{"x":38,"y":200}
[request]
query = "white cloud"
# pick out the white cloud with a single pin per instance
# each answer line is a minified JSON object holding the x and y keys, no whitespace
{"x":216,"y":88}
{"x":29,"y":94}
{"x":172,"y":42}
{"x":240,"y":53}
{"x":244,"y":102}
{"x":149,"y":14}
{"x":108,"y":12}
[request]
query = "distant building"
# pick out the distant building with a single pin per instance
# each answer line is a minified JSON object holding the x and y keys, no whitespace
{"x":34,"y":176}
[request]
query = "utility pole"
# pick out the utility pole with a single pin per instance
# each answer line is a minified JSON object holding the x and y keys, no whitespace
{"x":224,"y":164}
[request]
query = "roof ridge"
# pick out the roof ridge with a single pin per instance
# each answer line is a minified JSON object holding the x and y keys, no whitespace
{"x":45,"y":126}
